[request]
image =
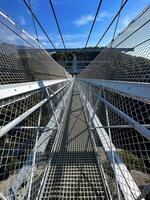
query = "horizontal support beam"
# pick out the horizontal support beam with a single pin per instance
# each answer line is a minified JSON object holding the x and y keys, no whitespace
{"x":10,"y":90}
{"x":83,"y":61}
{"x":2,"y":197}
{"x":41,"y":143}
{"x":76,"y":67}
{"x":33,"y":127}
{"x":20,"y":118}
{"x":87,"y":49}
{"x":123,"y":176}
{"x":135,"y":90}
{"x":137,"y":126}
{"x":122,"y":126}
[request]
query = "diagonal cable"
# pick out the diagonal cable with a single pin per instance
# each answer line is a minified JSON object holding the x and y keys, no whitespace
{"x":37,"y":38}
{"x":98,"y":8}
{"x":116,"y":26}
{"x":118,"y":13}
{"x":56,"y":20}
{"x":39,"y":23}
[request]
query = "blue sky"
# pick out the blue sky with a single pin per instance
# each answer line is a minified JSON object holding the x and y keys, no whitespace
{"x":75,"y":18}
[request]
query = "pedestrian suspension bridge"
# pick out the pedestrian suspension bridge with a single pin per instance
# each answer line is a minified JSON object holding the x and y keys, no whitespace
{"x":81,"y":137}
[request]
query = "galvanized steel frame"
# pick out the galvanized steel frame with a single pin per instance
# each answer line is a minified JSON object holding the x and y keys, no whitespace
{"x":123,"y":176}
{"x":16,"y":89}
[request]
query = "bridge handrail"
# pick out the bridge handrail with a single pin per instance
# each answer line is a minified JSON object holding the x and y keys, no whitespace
{"x":93,"y":95}
{"x":17,"y":120}
{"x":24,"y":147}
{"x":10,"y":90}
{"x":135,"y":90}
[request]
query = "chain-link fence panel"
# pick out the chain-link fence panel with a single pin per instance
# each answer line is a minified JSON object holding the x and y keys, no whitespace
{"x":29,"y":124}
{"x":22,"y":59}
{"x":115,"y":86}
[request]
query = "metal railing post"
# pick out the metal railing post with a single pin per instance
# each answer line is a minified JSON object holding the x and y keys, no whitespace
{"x":111,"y":148}
{"x":34,"y":153}
{"x":2,"y":197}
{"x":51,"y":104}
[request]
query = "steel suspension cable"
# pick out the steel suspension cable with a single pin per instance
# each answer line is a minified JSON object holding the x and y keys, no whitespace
{"x":133,"y":33}
{"x":136,"y":18}
{"x":56,"y":20}
{"x":37,"y":38}
{"x":112,"y":22}
{"x":39,"y":23}
{"x":98,"y":8}
{"x":116,"y":26}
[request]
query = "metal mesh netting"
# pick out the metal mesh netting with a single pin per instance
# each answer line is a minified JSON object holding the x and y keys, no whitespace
{"x":132,"y":66}
{"x":15,"y":106}
{"x":136,"y":35}
{"x":74,"y":173}
{"x":30,"y":119}
{"x":99,"y":110}
{"x":121,"y":67}
{"x":22,"y":59}
{"x":32,"y":137}
{"x":130,"y":145}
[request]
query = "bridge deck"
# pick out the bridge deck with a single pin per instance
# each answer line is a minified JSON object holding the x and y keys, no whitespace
{"x":74,"y":172}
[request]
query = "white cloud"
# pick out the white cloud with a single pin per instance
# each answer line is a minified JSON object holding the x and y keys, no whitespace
{"x":74,"y":37}
{"x":125,"y":21}
{"x":44,"y":40}
{"x":72,"y":40}
{"x":104,"y":14}
{"x":85,"y":19}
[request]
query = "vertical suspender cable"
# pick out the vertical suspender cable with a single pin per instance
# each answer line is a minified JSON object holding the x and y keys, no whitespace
{"x":114,"y":34}
{"x":56,"y":20}
{"x":39,"y":23}
{"x":111,"y":22}
{"x":98,"y":8}
{"x":37,"y":38}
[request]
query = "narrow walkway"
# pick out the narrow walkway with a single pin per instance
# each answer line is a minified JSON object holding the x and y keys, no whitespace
{"x":74,"y":172}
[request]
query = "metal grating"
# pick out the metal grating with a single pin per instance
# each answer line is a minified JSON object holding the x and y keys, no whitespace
{"x":116,"y":85}
{"x":24,"y":148}
{"x":74,"y":173}
{"x":129,"y":142}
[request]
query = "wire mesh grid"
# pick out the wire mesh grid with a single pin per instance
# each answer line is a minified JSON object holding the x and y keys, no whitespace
{"x":121,"y":67}
{"x":99,"y":110}
{"x":132,"y":66}
{"x":13,"y":107}
{"x":36,"y":133}
{"x":131,"y":146}
{"x":22,"y":59}
{"x":11,"y":70}
{"x":136,"y":35}
{"x":73,"y":173}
